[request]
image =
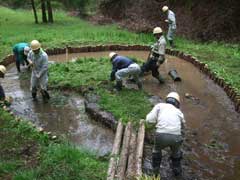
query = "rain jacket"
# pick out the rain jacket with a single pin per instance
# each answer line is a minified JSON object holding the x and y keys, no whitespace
{"x":18,"y":51}
{"x":167,"y":117}
{"x":158,"y":49}
{"x":119,"y":62}
{"x":40,"y":67}
{"x":171,"y":20}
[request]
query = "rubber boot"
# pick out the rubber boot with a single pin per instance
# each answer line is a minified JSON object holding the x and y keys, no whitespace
{"x":34,"y":96}
{"x":139,"y":84}
{"x":176,"y":166}
{"x":156,"y":161}
{"x":45,"y":95}
{"x":160,"y":79}
{"x":118,"y":86}
{"x":171,"y":44}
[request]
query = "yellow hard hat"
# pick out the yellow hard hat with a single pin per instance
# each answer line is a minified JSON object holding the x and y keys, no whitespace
{"x":2,"y":69}
{"x":157,"y":30}
{"x":111,"y":54}
{"x":165,"y":8}
{"x":174,"y":95}
{"x":35,"y":45}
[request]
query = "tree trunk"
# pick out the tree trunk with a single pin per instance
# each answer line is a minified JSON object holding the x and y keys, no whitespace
{"x":115,"y":152}
{"x":131,"y":168}
{"x":50,"y":13}
{"x":34,"y":11}
{"x":44,"y":15}
{"x":139,"y":153}
{"x":124,"y":153}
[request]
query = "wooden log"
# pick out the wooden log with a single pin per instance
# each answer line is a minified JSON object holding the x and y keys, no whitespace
{"x":115,"y":152}
{"x":121,"y":171}
{"x":139,"y":151}
{"x":131,"y":167}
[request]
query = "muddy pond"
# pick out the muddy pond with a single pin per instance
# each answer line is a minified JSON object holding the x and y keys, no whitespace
{"x":212,"y":138}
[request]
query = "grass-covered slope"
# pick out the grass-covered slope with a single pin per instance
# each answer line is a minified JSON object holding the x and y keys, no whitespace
{"x":27,"y":154}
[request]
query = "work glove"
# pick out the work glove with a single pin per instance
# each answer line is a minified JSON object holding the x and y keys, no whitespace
{"x":38,"y":75}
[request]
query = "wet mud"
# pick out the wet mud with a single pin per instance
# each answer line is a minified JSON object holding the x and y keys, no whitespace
{"x":64,"y":114}
{"x":211,"y":147}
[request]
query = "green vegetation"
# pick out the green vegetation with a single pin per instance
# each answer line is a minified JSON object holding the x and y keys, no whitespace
{"x":18,"y":26}
{"x":27,"y":154}
{"x":129,"y":104}
{"x":222,"y":58}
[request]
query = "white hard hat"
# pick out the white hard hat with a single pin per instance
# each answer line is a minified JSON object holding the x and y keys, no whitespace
{"x":2,"y":69}
{"x":111,"y":54}
{"x":35,"y":45}
{"x":26,"y":50}
{"x":165,"y":8}
{"x":157,"y":30}
{"x":174,"y":95}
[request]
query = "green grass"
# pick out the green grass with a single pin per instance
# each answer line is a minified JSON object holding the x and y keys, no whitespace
{"x":27,"y":154}
{"x":129,"y":104}
{"x":222,"y":58}
{"x":18,"y":26}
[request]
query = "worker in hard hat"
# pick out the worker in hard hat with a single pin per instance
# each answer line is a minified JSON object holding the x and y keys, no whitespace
{"x":2,"y":74}
{"x":157,"y":55}
{"x":169,"y":122}
{"x":123,"y":67}
{"x":171,"y":20}
{"x":38,"y":59}
{"x":20,"y":52}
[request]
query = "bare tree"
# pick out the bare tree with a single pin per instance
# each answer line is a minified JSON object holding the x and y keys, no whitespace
{"x":50,"y":13}
{"x":34,"y":11}
{"x":44,"y":15}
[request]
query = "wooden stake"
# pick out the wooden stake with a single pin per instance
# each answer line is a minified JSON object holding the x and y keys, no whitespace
{"x":140,"y":143}
{"x":131,"y":168}
{"x":124,"y":153}
{"x":115,"y":152}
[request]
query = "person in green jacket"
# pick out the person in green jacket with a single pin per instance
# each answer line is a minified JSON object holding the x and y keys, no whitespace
{"x":20,"y":51}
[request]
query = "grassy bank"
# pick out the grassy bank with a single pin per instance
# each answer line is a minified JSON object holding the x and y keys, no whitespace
{"x":18,"y":26}
{"x":129,"y":105}
{"x":222,"y":58}
{"x":27,"y":154}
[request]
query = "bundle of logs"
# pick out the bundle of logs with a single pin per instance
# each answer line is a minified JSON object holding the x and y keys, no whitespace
{"x":127,"y":152}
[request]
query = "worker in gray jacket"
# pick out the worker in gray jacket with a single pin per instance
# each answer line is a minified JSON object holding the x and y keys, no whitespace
{"x":171,"y":20}
{"x":38,"y":59}
{"x":169,"y":122}
{"x":156,"y":56}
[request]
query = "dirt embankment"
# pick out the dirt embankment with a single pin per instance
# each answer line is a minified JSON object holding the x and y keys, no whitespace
{"x":204,"y":20}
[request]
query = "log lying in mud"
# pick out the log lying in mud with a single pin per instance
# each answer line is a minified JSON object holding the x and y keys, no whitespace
{"x":115,"y":152}
{"x":124,"y":153}
{"x":139,"y":151}
{"x":131,"y":170}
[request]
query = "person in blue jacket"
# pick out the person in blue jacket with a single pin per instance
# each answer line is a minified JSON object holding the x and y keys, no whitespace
{"x":123,"y":67}
{"x":20,"y":52}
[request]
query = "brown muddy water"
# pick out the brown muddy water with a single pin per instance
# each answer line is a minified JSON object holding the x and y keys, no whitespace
{"x":212,"y":138}
{"x":64,"y":114}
